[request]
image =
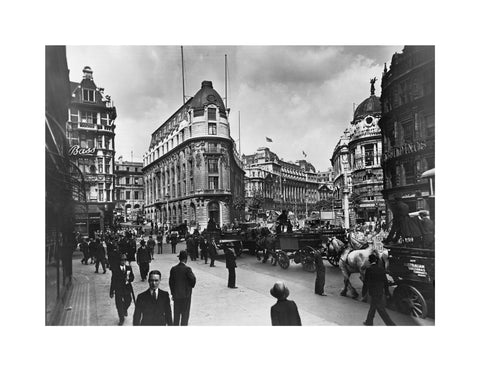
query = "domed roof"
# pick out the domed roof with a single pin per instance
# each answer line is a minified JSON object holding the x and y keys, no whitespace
{"x":207,"y":95}
{"x":369,"y":106}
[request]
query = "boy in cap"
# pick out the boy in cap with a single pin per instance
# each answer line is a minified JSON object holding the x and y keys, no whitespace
{"x":284,"y":312}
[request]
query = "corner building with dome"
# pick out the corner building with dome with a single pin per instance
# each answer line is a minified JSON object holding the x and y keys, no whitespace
{"x":365,"y":154}
{"x":192,"y":170}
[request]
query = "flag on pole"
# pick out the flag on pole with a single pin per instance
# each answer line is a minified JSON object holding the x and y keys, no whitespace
{"x":304,"y":153}
{"x":268,"y":139}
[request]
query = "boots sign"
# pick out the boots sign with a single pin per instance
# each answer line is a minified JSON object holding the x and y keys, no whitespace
{"x":76,"y":150}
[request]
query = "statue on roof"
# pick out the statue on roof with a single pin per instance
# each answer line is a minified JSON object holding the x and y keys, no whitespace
{"x":372,"y":87}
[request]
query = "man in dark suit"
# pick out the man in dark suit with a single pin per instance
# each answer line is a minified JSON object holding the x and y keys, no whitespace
{"x":99,"y":255}
{"x":284,"y":312}
{"x":121,"y":287}
{"x":153,"y":306}
{"x":143,"y":259}
{"x":212,"y":252}
{"x":231,"y":265}
{"x":173,"y":241}
{"x":181,"y":282}
{"x":376,"y":281}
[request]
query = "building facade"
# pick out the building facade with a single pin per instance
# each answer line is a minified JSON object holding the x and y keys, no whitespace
{"x":91,"y":134}
{"x":280,"y":185}
{"x":192,"y":170}
{"x":129,"y":190}
{"x":342,"y":181}
{"x":365,"y":151}
{"x":408,"y":126}
{"x":59,"y":185}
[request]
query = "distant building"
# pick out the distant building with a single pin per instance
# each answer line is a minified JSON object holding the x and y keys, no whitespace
{"x":192,"y":170}
{"x":129,"y":188}
{"x":91,"y":134}
{"x":408,"y":126}
{"x":280,"y":184}
{"x":342,"y":180}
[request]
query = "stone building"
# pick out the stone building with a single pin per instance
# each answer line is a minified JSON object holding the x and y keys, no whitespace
{"x":365,"y":151}
{"x":280,"y":184}
{"x":91,"y":133}
{"x":129,"y":197}
{"x":408,"y":126}
{"x":342,"y":180}
{"x":192,"y":171}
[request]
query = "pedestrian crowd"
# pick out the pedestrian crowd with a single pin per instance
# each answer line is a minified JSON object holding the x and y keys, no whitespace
{"x":116,"y":250}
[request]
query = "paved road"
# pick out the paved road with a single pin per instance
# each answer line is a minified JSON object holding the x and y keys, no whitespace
{"x":214,"y":304}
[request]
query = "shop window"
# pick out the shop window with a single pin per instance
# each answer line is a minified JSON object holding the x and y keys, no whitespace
{"x":88,"y":95}
{"x":212,"y":129}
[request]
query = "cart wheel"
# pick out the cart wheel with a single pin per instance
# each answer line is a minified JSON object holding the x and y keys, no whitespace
{"x":333,"y":259}
{"x":283,"y":260}
{"x":409,"y":300}
{"x":308,"y":264}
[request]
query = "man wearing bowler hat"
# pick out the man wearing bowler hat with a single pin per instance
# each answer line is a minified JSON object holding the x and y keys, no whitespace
{"x":181,"y":282}
{"x":121,"y":287}
{"x":153,"y":306}
{"x":284,"y":312}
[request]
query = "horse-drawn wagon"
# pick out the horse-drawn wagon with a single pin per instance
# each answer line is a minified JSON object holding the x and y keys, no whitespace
{"x":413,"y":273}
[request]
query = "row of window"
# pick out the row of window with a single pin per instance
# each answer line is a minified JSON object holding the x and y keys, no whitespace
{"x":137,"y":195}
{"x":92,"y":165}
{"x":180,"y":138}
{"x":134,"y":180}
{"x":85,"y":141}
{"x":127,"y":168}
{"x":89,"y":117}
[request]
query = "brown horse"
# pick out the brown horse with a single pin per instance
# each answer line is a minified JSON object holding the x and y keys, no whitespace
{"x":355,"y":261}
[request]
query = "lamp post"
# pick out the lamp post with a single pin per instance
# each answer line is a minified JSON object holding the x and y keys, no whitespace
{"x":167,"y":196}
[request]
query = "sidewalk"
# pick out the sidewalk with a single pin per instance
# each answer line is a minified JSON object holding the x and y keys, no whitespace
{"x":213,"y":304}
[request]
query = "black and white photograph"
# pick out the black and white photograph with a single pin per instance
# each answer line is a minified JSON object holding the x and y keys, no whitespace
{"x":291,"y":185}
{"x":261,"y":174}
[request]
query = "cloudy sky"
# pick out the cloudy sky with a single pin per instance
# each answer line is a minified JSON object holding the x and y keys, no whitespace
{"x":300,"y":96}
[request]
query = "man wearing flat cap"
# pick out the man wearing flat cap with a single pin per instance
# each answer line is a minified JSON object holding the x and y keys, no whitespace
{"x":121,"y":287}
{"x":181,"y":282}
{"x":153,"y":306}
{"x":284,"y":312}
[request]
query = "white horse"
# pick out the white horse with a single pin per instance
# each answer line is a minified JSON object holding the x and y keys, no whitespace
{"x":354,"y":259}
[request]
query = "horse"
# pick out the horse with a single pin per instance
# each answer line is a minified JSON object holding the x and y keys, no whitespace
{"x":354,"y":259}
{"x":266,"y":245}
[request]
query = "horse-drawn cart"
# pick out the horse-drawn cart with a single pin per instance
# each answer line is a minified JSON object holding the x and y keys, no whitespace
{"x":299,"y":247}
{"x":413,"y":272}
